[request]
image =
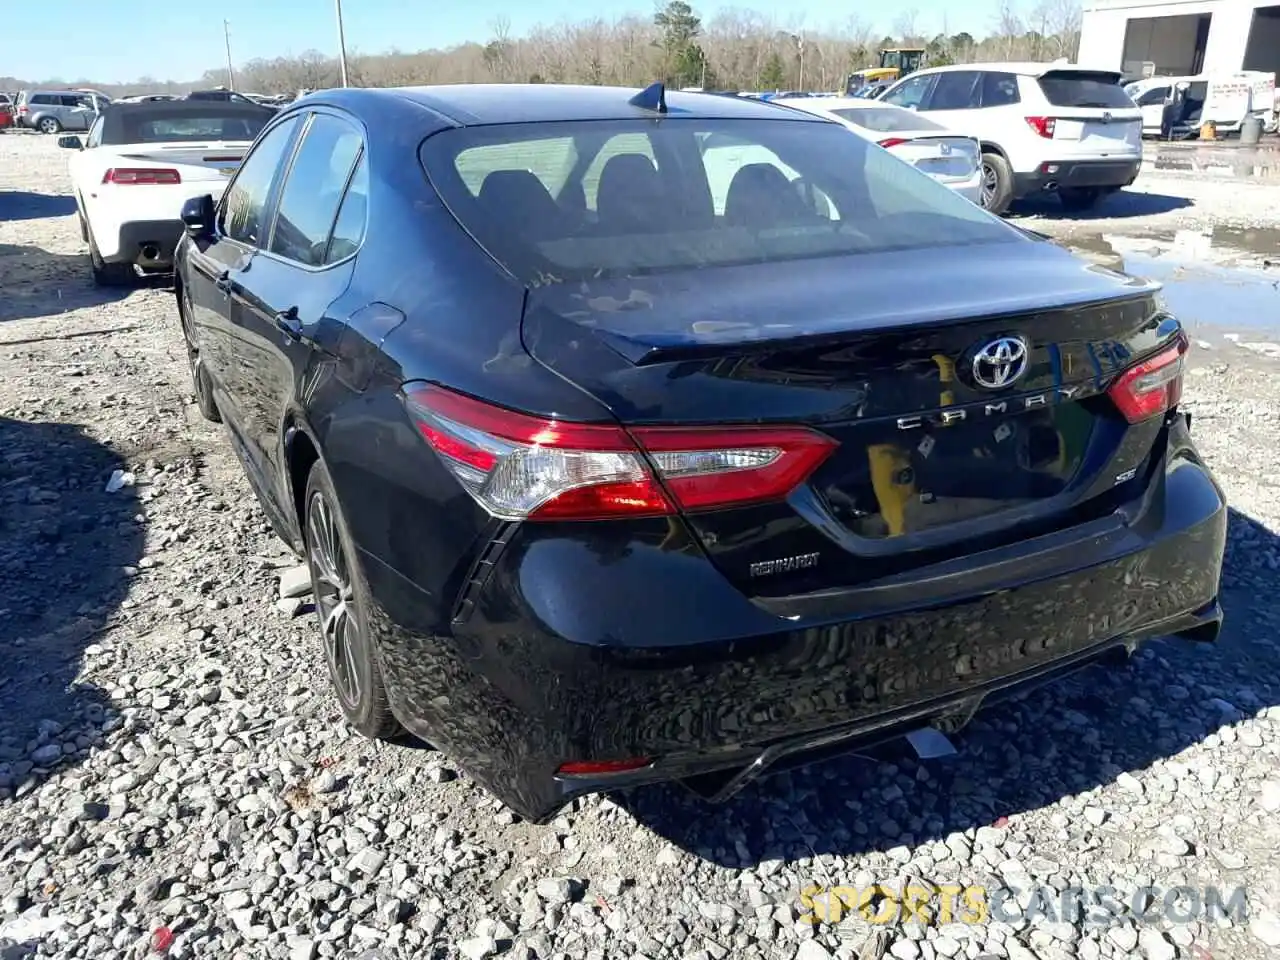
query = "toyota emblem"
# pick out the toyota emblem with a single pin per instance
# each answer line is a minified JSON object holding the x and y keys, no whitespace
{"x":1000,"y":363}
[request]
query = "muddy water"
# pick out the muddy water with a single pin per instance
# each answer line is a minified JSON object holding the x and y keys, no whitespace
{"x":1224,"y":279}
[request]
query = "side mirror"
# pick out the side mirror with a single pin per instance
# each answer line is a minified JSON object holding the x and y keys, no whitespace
{"x":197,"y":217}
{"x":70,"y":143}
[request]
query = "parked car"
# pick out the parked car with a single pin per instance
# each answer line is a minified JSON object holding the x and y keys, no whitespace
{"x":610,"y":470}
{"x":139,"y":163}
{"x":52,"y":111}
{"x":221,"y":96}
{"x":949,"y":157}
{"x":1044,"y":127}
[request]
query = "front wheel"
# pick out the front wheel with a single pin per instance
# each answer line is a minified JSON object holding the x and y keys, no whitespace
{"x":49,"y":125}
{"x":997,"y":183}
{"x":341,"y":599}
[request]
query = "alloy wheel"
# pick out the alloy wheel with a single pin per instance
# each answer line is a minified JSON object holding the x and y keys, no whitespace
{"x":990,"y":181}
{"x":331,"y":574}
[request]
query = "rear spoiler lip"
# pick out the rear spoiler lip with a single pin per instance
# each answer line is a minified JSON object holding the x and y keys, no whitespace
{"x":641,"y":352}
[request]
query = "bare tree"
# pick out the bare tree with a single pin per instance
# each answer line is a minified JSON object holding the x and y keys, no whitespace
{"x":1062,"y":25}
{"x":1009,"y":27}
{"x":905,"y":26}
{"x":739,"y":46}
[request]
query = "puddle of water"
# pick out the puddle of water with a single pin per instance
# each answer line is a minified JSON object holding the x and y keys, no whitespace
{"x":1221,"y":279}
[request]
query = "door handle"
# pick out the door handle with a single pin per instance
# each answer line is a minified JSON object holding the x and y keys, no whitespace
{"x":288,"y":323}
{"x":223,"y":282}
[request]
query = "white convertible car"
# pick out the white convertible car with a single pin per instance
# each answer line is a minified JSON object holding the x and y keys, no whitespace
{"x":139,"y":163}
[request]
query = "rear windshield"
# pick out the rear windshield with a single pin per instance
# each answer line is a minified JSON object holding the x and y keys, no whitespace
{"x":1075,"y":88}
{"x":211,"y":124}
{"x":887,"y":119}
{"x":576,"y":200}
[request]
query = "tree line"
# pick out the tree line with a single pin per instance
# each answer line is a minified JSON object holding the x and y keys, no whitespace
{"x":736,"y":49}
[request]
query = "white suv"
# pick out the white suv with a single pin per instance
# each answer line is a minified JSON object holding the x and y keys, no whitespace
{"x":1043,"y":126}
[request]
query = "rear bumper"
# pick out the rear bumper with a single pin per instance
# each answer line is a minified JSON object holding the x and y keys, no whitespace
{"x":970,"y":189}
{"x":148,"y":243}
{"x":565,"y":650}
{"x":1107,"y":174}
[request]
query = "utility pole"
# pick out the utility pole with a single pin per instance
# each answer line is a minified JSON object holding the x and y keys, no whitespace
{"x":226,"y":36}
{"x":342,"y":42}
{"x":800,"y":51}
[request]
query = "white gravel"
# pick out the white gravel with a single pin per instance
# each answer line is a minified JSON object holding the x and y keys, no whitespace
{"x":174,"y":772}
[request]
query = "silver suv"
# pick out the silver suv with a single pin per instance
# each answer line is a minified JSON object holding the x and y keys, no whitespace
{"x":52,"y":111}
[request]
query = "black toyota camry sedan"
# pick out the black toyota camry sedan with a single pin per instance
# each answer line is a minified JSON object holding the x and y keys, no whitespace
{"x":633,"y":436}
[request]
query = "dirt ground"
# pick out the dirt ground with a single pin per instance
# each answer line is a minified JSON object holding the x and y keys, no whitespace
{"x":174,"y":772}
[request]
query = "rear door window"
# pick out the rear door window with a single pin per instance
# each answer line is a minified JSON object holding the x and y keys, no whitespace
{"x":1080,"y":88}
{"x":244,"y":204}
{"x":313,"y":190}
{"x":955,"y":90}
{"x":999,"y":89}
{"x":348,"y":229}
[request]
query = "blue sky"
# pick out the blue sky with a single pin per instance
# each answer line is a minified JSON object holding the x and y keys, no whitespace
{"x":182,"y":40}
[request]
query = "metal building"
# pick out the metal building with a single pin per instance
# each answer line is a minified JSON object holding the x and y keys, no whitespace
{"x":1180,"y":37}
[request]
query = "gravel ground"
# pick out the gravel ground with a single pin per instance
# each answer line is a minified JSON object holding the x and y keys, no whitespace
{"x":175,"y":776}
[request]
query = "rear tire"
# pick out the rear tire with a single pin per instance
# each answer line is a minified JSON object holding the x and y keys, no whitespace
{"x":200,"y":381}
{"x":342,"y":603}
{"x":109,"y":274}
{"x":49,"y":125}
{"x":1075,"y":199}
{"x":997,"y":183}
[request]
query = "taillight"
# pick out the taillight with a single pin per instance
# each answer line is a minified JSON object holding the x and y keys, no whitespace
{"x":891,"y":142}
{"x":141,"y":175}
{"x":1152,"y":387}
{"x":1042,"y":125}
{"x":523,"y":467}
{"x":24,"y":109}
{"x":589,"y":768}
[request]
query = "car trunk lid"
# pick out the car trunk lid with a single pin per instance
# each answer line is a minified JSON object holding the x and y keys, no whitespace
{"x":213,"y":160}
{"x":938,"y":453}
{"x":946,"y":158}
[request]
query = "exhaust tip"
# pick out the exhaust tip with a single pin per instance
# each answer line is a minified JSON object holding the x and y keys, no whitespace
{"x":1051,"y":185}
{"x":150,"y":251}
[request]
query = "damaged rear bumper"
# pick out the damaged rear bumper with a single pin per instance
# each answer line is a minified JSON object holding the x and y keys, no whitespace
{"x":653,"y":655}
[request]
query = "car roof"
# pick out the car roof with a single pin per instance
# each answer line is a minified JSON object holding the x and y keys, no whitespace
{"x":474,"y":104}
{"x":1022,"y":67}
